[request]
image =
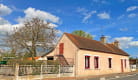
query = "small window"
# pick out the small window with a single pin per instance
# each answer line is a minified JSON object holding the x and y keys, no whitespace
{"x":87,"y":62}
{"x":50,"y":58}
{"x":96,"y":62}
{"x":110,"y":62}
{"x":61,"y":48}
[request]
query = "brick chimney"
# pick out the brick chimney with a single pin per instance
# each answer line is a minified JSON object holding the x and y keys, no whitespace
{"x":116,"y":43}
{"x":103,"y":39}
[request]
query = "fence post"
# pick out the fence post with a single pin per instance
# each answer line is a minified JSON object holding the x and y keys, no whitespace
{"x":73,"y":70}
{"x":59,"y":71}
{"x":41,"y":73}
{"x":16,"y":71}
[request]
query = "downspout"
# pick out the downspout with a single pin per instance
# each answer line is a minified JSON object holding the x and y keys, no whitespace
{"x":76,"y":62}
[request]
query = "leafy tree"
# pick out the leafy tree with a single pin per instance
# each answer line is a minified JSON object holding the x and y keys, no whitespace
{"x":82,"y":34}
{"x":33,"y":34}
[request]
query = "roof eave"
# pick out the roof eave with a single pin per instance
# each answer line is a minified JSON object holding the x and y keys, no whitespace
{"x":103,"y":51}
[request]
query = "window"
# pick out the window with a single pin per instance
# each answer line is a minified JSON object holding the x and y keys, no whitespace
{"x":96,"y":62}
{"x":87,"y":62}
{"x":125,"y":62}
{"x":61,"y":48}
{"x":50,"y":58}
{"x":110,"y":62}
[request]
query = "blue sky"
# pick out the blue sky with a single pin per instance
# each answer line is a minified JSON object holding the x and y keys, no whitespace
{"x":116,"y":19}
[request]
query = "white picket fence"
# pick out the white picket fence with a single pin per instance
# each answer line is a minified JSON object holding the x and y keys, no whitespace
{"x":7,"y":70}
{"x":36,"y":70}
{"x":44,"y":69}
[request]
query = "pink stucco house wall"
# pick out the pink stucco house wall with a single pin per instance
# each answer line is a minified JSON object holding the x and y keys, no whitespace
{"x":90,"y":57}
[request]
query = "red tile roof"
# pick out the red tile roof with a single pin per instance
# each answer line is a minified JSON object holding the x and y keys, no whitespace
{"x":88,"y":44}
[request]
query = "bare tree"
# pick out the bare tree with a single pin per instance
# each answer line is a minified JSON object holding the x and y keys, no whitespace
{"x":34,"y":33}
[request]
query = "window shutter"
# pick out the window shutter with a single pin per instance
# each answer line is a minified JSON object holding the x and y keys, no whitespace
{"x":87,"y":62}
{"x":96,"y":62}
{"x":61,"y":48}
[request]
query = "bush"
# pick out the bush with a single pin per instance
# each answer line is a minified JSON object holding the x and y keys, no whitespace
{"x":32,"y":62}
{"x":52,"y":62}
{"x":24,"y":62}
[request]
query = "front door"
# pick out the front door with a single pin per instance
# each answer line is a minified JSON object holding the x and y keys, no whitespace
{"x":122,"y":67}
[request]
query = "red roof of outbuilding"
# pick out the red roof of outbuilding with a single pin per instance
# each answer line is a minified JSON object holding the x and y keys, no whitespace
{"x":35,"y":58}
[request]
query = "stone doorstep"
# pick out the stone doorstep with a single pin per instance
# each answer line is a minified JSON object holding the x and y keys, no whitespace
{"x":95,"y":76}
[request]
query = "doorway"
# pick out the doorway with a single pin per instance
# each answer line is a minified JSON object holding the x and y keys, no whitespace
{"x":122,"y":65}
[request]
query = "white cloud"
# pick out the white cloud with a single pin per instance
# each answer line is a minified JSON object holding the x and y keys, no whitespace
{"x":6,"y":26}
{"x":127,"y":42}
{"x":33,"y":13}
{"x":124,"y":41}
{"x":88,"y":15}
{"x":131,"y":8}
{"x":81,"y":10}
{"x":52,"y":25}
{"x":3,"y":21}
{"x":4,"y":10}
{"x":101,"y":1}
{"x":123,"y":29}
{"x":134,"y":43}
{"x":103,"y":15}
{"x":16,"y":9}
{"x":122,"y":0}
{"x":9,"y":27}
{"x":121,"y":16}
{"x":108,"y":36}
{"x":132,"y":15}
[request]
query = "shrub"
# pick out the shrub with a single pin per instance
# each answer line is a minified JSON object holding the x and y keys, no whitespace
{"x":52,"y":62}
{"x":25,"y":62}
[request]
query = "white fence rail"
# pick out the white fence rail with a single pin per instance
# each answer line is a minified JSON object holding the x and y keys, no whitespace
{"x":7,"y":70}
{"x":42,"y":70}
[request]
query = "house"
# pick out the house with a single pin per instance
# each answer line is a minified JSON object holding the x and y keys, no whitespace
{"x":90,"y":57}
{"x":133,"y":64}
